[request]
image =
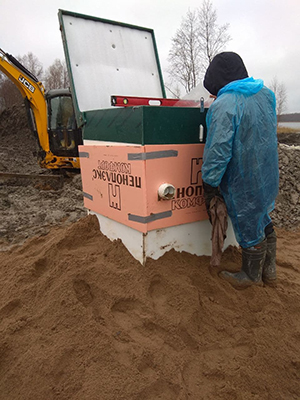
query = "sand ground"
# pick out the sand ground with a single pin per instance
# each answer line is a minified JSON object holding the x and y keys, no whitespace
{"x":81,"y":319}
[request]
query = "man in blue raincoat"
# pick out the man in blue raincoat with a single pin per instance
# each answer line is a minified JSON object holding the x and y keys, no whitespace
{"x":241,"y":163}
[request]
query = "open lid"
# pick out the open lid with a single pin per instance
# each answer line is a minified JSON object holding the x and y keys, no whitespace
{"x":106,"y":58}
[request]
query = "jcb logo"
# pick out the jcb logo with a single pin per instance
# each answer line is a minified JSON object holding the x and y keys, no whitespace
{"x":26,"y":84}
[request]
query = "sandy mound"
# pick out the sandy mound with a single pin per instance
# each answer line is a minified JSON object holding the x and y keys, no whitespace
{"x":80,"y":319}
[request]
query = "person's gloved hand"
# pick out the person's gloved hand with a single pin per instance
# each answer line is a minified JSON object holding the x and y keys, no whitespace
{"x":209,"y":192}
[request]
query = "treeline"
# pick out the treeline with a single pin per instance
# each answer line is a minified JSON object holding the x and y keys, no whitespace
{"x":54,"y":77}
{"x":295,"y":117}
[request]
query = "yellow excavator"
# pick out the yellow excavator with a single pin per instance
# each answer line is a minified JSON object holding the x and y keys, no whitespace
{"x":51,"y":116}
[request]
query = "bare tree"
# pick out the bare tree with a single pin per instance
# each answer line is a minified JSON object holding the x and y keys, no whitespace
{"x":33,"y":64}
{"x":56,"y":76}
{"x":212,"y":38}
{"x":280,"y":92}
{"x":184,"y":55}
{"x":194,"y":45}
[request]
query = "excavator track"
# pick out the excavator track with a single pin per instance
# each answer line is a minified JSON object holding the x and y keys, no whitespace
{"x":42,"y":182}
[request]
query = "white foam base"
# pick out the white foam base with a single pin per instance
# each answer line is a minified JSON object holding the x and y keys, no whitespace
{"x":193,"y":238}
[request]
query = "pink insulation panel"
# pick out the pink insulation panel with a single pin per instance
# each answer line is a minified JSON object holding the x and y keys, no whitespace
{"x":121,"y":182}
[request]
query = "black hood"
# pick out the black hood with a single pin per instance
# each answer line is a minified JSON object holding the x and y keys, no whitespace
{"x":224,"y":68}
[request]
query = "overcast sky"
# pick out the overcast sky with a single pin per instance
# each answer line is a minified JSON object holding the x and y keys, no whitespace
{"x":264,"y":32}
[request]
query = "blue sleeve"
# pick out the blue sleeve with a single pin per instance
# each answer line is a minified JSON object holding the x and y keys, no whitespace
{"x":221,"y":127}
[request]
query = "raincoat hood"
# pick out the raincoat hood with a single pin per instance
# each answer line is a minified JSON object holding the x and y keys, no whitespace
{"x":225,"y":67}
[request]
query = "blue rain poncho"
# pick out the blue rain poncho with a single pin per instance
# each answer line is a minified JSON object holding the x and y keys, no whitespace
{"x":241,"y":155}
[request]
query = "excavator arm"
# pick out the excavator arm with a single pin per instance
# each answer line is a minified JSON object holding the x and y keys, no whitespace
{"x":31,"y":89}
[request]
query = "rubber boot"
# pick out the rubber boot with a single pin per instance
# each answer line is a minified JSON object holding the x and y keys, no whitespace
{"x":269,"y":269}
{"x":253,"y":259}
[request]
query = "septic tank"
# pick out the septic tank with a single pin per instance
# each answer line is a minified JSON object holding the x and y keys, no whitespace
{"x":140,"y":165}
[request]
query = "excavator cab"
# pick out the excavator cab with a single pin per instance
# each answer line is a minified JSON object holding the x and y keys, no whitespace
{"x":64,"y":135}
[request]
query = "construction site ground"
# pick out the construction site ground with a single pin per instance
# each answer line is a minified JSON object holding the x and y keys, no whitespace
{"x":80,"y":319}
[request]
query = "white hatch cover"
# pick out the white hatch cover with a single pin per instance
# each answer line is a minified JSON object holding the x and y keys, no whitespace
{"x":106,"y":58}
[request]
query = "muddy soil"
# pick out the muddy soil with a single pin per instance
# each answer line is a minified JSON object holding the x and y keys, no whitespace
{"x":291,"y":139}
{"x":31,"y":209}
{"x":80,"y":319}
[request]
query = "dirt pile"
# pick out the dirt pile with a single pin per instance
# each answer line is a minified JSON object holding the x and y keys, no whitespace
{"x":26,"y":211}
{"x":80,"y":319}
{"x":289,"y":138}
{"x":18,"y":144}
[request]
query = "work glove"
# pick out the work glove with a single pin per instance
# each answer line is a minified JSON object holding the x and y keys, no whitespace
{"x":209,"y":192}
